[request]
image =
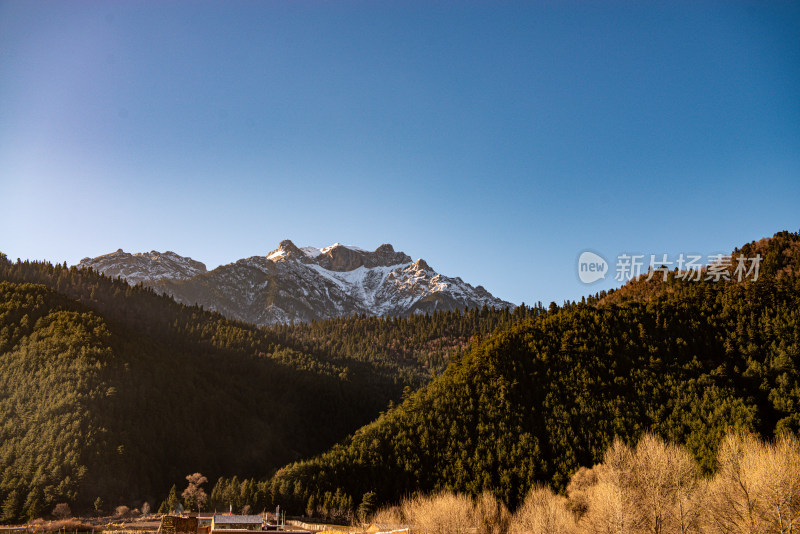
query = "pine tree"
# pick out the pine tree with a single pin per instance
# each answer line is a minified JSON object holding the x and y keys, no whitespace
{"x":367,"y":506}
{"x":98,"y":506}
{"x":34,"y":505}
{"x":311,"y":506}
{"x":171,"y":502}
{"x":10,"y":511}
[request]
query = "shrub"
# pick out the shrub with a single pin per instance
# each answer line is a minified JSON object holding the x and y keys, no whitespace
{"x":62,"y":511}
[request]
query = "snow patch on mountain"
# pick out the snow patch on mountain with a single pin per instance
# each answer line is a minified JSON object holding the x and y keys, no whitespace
{"x":311,"y":252}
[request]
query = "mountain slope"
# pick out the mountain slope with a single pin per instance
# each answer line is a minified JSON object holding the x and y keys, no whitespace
{"x":302,"y":285}
{"x":115,"y":392}
{"x":549,"y":395}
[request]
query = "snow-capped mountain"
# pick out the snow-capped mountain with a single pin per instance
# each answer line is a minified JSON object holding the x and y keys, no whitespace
{"x":146,"y":267}
{"x":301,"y":284}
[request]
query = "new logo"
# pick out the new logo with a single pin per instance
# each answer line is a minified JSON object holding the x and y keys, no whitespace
{"x":591,"y":267}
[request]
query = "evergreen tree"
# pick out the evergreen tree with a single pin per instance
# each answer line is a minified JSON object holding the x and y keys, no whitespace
{"x":34,"y":504}
{"x":367,"y":506}
{"x":171,"y":503}
{"x":11,"y":507}
{"x":98,"y":506}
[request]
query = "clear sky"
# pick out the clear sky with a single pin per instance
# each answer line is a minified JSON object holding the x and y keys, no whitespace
{"x":496,"y":140}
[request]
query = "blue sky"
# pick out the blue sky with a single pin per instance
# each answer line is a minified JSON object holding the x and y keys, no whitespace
{"x":496,"y":140}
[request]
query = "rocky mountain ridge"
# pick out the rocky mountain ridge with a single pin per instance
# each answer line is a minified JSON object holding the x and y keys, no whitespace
{"x":145,"y":267}
{"x":301,"y":284}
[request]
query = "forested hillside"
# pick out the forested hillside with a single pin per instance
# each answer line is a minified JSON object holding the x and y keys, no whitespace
{"x":422,"y":343}
{"x":112,"y":391}
{"x":123,"y":396}
{"x":686,"y":360}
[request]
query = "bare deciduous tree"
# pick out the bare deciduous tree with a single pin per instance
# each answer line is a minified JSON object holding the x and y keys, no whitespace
{"x":655,"y":488}
{"x":578,"y":489}
{"x":734,"y":503}
{"x":444,"y":513}
{"x":543,"y":512}
{"x":757,"y":486}
{"x":689,"y":488}
{"x":782,"y":484}
{"x":651,"y":483}
{"x":666,"y":487}
{"x":194,"y":495}
{"x":389,"y":518}
{"x":611,"y":501}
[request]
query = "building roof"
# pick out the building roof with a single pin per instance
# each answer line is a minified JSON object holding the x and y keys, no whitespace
{"x":237,"y":519}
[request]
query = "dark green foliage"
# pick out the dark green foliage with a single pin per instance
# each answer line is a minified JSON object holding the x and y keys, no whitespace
{"x":687,"y":360}
{"x":34,"y":505}
{"x":419,"y":346}
{"x":11,"y":506}
{"x":367,"y":507}
{"x":171,"y":502}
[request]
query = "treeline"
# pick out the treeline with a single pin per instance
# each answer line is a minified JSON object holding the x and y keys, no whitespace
{"x":534,"y":403}
{"x":115,"y":392}
{"x":654,"y":487}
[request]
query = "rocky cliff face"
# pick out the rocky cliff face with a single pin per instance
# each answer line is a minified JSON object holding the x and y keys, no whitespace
{"x":146,"y":267}
{"x":302,"y":284}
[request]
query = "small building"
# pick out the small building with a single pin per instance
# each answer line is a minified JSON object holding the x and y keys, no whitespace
{"x":175,"y":524}
{"x":232,"y":524}
{"x":203,"y":521}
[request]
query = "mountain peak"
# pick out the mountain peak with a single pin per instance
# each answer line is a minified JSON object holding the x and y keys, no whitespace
{"x":422,"y":264}
{"x":286,"y":249}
